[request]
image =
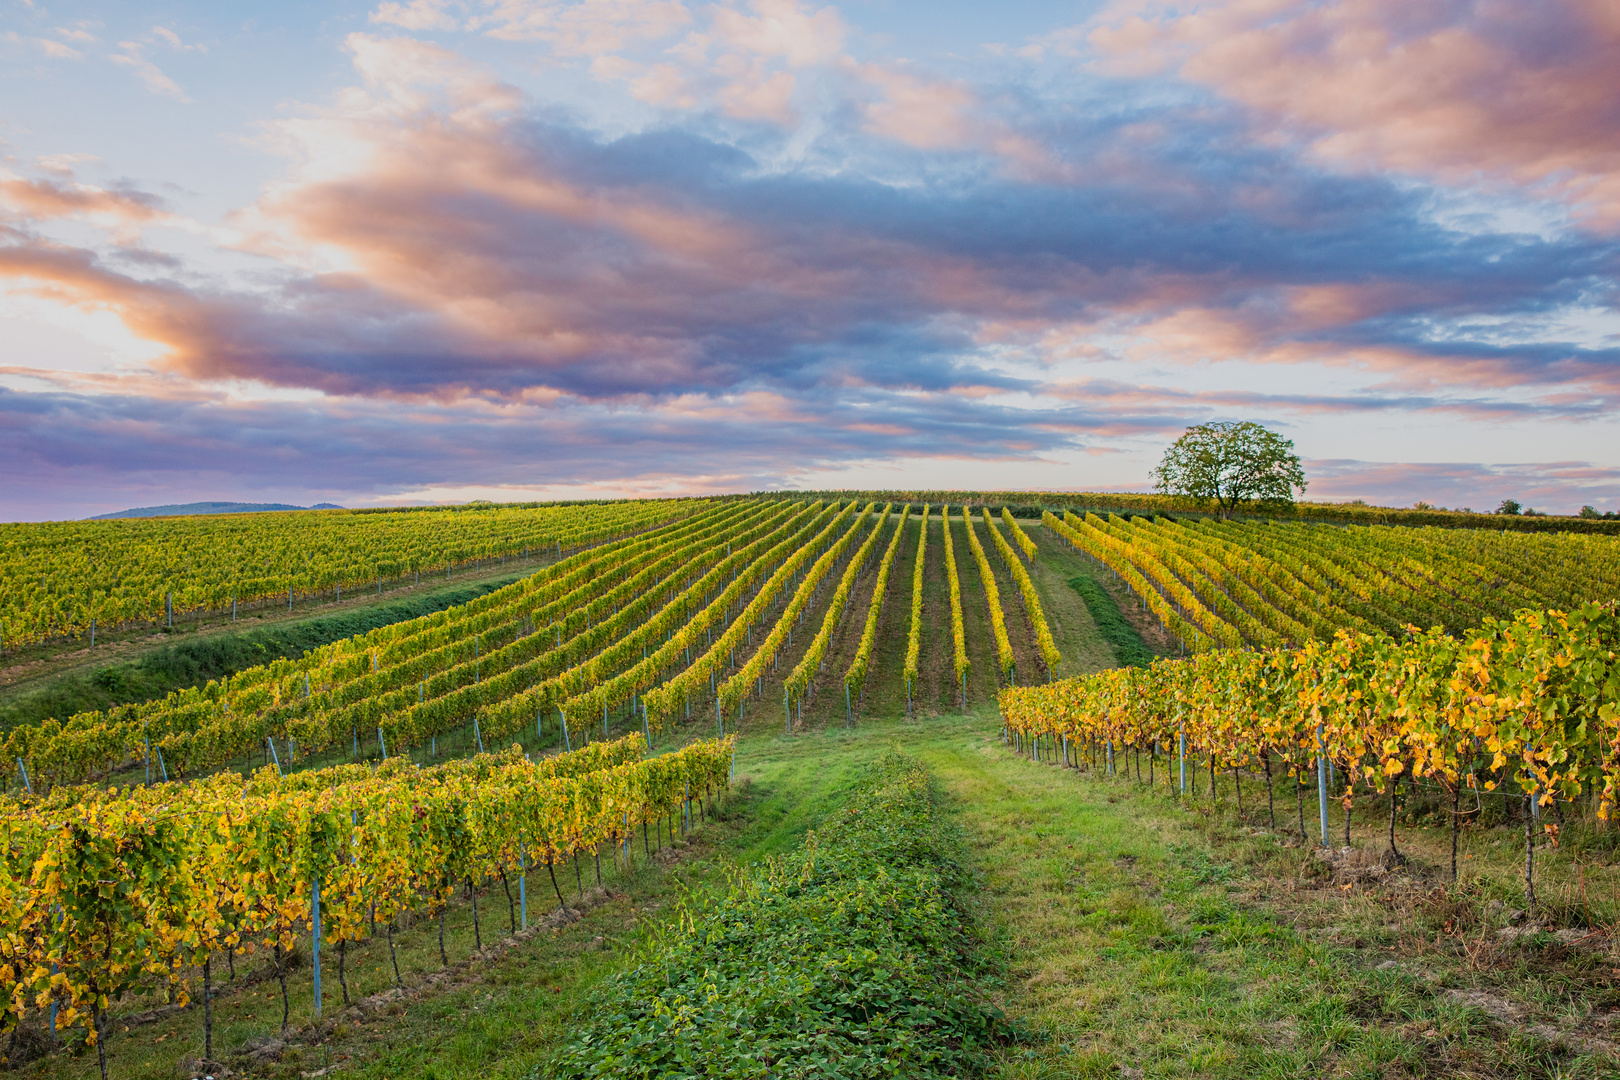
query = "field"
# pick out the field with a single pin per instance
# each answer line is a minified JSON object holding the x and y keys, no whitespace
{"x":776,"y":654}
{"x":73,"y":579}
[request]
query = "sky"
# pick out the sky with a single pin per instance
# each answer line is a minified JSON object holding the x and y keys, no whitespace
{"x":435,"y":250}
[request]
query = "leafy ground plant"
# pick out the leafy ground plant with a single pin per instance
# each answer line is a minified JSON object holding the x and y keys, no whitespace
{"x":854,"y":957}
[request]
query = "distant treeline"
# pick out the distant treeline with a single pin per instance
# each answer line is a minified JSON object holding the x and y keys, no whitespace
{"x":1029,"y":504}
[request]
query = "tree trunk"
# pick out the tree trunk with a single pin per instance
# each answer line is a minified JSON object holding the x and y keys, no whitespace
{"x":342,"y":978}
{"x":1529,"y":860}
{"x":208,"y":1007}
{"x":97,"y":1017}
{"x":561,"y":903}
{"x":1456,"y":801}
{"x":398,"y":982}
{"x":1271,"y":802}
{"x":1395,"y":858}
{"x":281,"y":977}
{"x":1299,"y":797}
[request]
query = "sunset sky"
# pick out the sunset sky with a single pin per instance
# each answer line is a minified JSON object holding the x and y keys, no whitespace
{"x":436,"y":251}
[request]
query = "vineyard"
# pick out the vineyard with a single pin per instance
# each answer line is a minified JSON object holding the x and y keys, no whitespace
{"x":694,"y":614}
{"x":117,"y":887}
{"x":66,"y":579}
{"x":638,"y":630}
{"x":1228,"y":585}
{"x":1529,"y":705}
{"x":310,"y":803}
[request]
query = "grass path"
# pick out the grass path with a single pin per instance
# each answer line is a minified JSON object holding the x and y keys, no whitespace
{"x":1128,"y":957}
{"x":1147,"y":940}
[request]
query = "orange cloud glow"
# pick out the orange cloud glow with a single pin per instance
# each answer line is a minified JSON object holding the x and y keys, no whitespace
{"x":1460,"y":90}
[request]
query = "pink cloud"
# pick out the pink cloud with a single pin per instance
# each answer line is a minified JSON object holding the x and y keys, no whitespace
{"x":781,"y":28}
{"x":1459,"y":90}
{"x":132,"y":54}
{"x":416,"y":15}
{"x":926,"y":113}
{"x":41,"y":200}
{"x":592,"y":28}
{"x":1559,"y":487}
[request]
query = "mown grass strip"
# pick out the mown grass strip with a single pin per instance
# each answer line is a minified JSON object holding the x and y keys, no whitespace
{"x":1128,"y":644}
{"x":854,"y":957}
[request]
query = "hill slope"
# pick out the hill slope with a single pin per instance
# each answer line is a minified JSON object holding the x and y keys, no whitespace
{"x":181,"y":509}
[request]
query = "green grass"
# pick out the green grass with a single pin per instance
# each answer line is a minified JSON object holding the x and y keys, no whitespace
{"x":1129,"y":647}
{"x":853,"y":958}
{"x":1153,"y":938}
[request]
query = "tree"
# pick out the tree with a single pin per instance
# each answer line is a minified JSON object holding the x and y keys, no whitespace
{"x":1509,"y":506}
{"x":1232,"y":463}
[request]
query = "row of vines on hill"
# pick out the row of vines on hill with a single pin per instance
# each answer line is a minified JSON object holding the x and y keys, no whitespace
{"x":1225,"y":585}
{"x":855,"y":677}
{"x":696,"y":610}
{"x":105,"y":891}
{"x":914,"y":633}
{"x":58,"y":578}
{"x":540,"y":640}
{"x":1530,"y":703}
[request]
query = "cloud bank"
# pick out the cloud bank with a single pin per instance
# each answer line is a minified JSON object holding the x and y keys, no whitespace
{"x":770,"y":253}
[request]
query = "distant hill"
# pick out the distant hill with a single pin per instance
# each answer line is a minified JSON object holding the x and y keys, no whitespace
{"x":209,"y":508}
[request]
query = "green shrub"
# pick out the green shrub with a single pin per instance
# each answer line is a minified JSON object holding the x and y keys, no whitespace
{"x":853,"y":958}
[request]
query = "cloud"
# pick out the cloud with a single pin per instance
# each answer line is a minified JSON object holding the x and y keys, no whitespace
{"x":132,"y":54}
{"x":1463,"y":91}
{"x":172,"y":40}
{"x":806,"y":262}
{"x":417,"y":15}
{"x":57,"y":50}
{"x":1179,"y":406}
{"x":439,"y":235}
{"x":925,"y":113}
{"x":117,"y":445}
{"x":52,"y":48}
{"x":781,"y":29}
{"x":1558,"y":487}
{"x":736,"y":59}
{"x":38,"y":199}
{"x":79,"y":32}
{"x":588,"y":29}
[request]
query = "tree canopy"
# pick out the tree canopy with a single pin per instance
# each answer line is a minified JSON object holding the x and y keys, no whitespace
{"x":1232,"y":463}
